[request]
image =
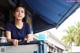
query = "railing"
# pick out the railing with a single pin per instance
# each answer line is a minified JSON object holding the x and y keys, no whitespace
{"x":32,"y":47}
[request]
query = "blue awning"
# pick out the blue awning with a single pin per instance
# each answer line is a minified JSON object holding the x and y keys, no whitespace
{"x":48,"y":14}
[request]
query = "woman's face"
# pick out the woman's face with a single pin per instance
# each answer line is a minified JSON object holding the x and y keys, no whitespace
{"x":19,"y":13}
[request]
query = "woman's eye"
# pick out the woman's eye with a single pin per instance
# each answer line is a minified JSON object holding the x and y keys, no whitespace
{"x":22,"y":11}
{"x":17,"y":10}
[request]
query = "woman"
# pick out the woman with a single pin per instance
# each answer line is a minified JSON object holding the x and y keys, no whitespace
{"x":18,"y":30}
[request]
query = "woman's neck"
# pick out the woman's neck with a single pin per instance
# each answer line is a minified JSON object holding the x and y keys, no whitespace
{"x":18,"y":22}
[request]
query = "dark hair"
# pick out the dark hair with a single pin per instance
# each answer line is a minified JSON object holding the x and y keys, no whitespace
{"x":20,"y":5}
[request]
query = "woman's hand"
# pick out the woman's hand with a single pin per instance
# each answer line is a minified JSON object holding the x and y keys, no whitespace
{"x":19,"y":40}
{"x":27,"y":40}
{"x":15,"y":42}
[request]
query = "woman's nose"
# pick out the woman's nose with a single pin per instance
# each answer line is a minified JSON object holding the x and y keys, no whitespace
{"x":19,"y":12}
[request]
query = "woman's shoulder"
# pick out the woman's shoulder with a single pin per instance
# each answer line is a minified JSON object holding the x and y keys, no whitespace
{"x":9,"y":26}
{"x":10,"y":23}
{"x":26,"y":23}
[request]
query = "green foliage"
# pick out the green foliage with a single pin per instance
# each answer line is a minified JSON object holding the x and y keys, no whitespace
{"x":73,"y":35}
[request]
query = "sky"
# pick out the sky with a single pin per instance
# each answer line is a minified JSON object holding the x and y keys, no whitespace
{"x":72,"y":20}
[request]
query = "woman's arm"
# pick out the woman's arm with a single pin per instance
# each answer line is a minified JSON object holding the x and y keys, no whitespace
{"x":8,"y":36}
{"x":28,"y":38}
{"x":9,"y":39}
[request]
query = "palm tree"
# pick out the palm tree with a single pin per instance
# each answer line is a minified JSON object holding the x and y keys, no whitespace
{"x":73,"y":35}
{"x":77,"y":34}
{"x":69,"y":38}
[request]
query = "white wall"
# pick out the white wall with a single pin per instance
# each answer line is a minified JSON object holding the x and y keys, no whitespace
{"x":75,"y":48}
{"x":56,"y":43}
